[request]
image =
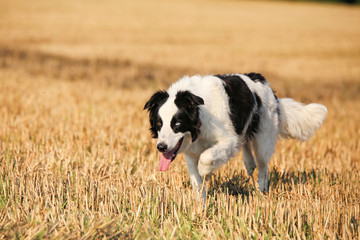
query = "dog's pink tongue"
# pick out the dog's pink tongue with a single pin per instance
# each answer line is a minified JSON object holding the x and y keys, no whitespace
{"x":165,"y":161}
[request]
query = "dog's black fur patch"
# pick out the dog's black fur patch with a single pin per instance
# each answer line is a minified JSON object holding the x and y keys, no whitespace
{"x":242,"y":102}
{"x":187,"y":116}
{"x":255,"y":121}
{"x":153,"y":106}
{"x":256,"y":77}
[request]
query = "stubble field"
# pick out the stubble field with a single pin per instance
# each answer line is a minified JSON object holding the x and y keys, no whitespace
{"x":77,"y":159}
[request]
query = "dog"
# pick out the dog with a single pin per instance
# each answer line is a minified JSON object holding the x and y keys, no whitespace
{"x":210,"y":118}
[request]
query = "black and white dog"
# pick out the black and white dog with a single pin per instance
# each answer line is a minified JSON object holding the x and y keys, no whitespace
{"x":209,"y":118}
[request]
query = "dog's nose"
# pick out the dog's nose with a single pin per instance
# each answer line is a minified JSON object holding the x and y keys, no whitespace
{"x":162,"y":147}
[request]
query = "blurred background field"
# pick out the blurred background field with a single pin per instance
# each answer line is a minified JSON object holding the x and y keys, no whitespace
{"x":76,"y":157}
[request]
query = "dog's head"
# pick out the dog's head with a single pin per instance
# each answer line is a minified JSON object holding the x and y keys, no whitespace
{"x":174,"y":121}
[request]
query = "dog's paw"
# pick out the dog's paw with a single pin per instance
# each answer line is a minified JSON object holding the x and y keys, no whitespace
{"x":263,"y":185}
{"x":205,"y":170}
{"x":250,"y":169}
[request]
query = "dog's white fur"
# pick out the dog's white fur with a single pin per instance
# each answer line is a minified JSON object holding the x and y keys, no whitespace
{"x":218,"y":141}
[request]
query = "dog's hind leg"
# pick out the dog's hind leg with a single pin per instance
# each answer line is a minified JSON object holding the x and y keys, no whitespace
{"x":195,"y":178}
{"x":248,"y":158}
{"x":264,"y":146}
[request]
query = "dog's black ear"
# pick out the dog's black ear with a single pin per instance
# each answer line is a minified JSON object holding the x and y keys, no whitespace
{"x":156,"y":99}
{"x":188,"y":100}
{"x":153,"y":106}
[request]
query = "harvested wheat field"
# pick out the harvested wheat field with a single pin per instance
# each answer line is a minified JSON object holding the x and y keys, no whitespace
{"x":77,"y":159}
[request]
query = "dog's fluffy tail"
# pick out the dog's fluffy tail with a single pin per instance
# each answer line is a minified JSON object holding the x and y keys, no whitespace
{"x":298,"y":120}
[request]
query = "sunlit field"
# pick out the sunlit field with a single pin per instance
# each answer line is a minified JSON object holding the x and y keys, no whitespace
{"x":77,"y":159}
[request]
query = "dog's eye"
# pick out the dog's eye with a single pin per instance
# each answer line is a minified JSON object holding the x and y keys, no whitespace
{"x":159,"y":124}
{"x":177,"y":124}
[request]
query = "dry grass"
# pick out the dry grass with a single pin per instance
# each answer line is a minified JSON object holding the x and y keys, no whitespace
{"x":76,"y":157}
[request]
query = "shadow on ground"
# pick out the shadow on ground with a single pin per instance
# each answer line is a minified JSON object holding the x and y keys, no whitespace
{"x":242,"y":186}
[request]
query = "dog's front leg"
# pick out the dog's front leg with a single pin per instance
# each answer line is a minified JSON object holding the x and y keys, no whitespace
{"x":195,"y":178}
{"x":213,"y":157}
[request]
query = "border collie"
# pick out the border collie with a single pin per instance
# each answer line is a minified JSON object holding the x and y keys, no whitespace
{"x":209,"y":119}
